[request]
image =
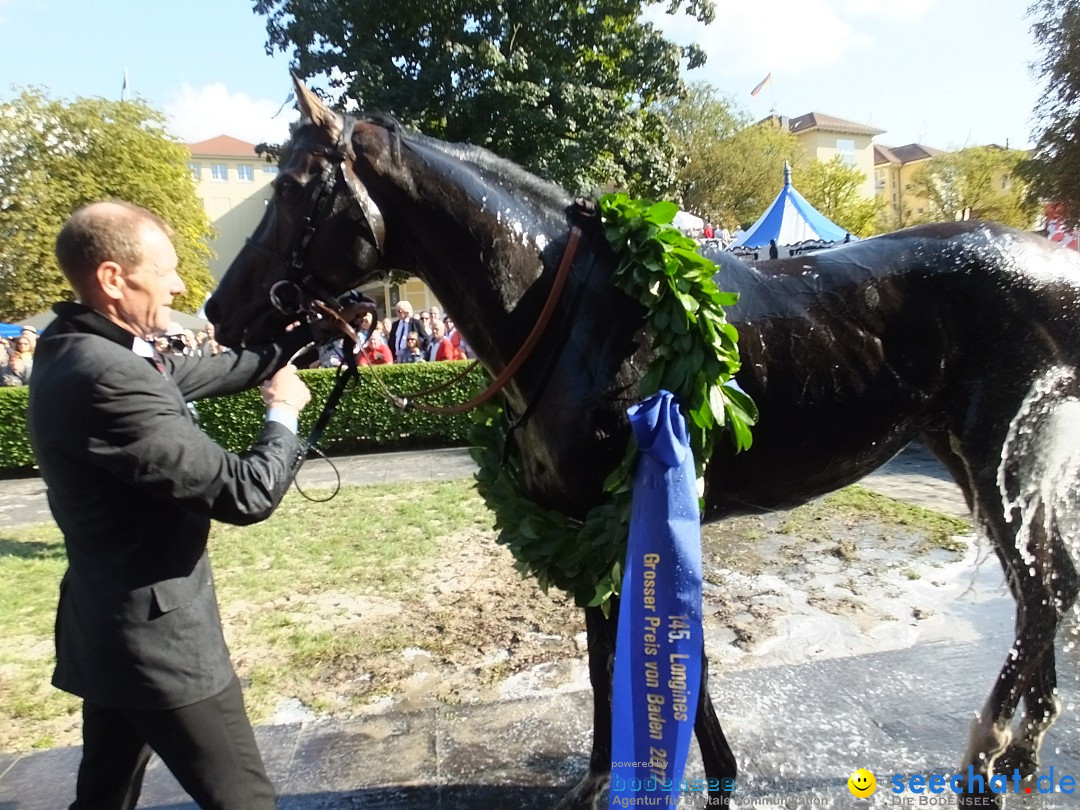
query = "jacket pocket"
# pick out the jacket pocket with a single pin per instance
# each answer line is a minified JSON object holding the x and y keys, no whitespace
{"x":170,"y":594}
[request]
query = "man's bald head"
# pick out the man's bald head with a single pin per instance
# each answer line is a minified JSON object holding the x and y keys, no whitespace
{"x":102,"y":232}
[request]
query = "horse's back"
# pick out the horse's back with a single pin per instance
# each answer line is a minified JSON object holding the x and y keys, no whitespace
{"x":852,"y":352}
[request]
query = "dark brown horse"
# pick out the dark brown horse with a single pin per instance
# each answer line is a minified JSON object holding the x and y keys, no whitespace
{"x":945,"y":332}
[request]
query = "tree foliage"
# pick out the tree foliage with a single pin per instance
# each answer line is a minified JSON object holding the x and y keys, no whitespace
{"x":833,"y":188}
{"x":981,"y":182}
{"x":729,"y":169}
{"x":566,"y":88}
{"x":57,"y":156}
{"x":1054,"y":170}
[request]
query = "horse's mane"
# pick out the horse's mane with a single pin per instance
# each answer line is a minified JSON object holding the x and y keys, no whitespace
{"x":486,"y":163}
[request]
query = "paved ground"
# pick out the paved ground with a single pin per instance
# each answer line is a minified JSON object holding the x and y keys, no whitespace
{"x":896,"y":712}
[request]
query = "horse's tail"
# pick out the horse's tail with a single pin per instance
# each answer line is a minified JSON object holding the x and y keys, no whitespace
{"x":1039,"y":475}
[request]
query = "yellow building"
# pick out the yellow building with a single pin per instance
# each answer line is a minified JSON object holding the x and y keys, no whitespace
{"x":824,"y":137}
{"x":893,"y":169}
{"x":233,"y":184}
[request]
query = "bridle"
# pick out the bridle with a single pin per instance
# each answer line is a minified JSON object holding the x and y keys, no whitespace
{"x":311,"y":298}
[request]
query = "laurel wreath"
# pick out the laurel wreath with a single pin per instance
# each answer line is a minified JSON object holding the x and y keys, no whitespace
{"x":695,"y":356}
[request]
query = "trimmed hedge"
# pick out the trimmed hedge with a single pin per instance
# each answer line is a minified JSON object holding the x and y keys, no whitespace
{"x":364,"y":420}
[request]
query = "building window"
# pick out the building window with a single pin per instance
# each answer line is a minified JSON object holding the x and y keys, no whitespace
{"x":219,"y":171}
{"x":196,"y":171}
{"x":846,"y":150}
{"x":879,"y":180}
{"x":270,"y":169}
{"x":245,"y":172}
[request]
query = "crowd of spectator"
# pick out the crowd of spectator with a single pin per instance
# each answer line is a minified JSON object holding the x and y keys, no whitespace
{"x":421,"y":337}
{"x":17,"y":357}
{"x":189,"y":342}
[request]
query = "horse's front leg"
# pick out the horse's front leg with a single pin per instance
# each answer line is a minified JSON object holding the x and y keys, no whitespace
{"x":719,"y":762}
{"x":585,"y":795}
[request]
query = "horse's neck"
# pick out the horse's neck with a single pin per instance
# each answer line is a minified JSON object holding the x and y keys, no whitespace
{"x":481,"y":249}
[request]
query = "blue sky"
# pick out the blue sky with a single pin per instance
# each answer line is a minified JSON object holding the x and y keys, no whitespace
{"x":946,"y":73}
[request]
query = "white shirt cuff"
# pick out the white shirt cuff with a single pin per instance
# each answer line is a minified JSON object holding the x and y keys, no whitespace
{"x":283,"y":416}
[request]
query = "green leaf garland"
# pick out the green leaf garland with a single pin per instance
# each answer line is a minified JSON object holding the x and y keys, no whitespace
{"x":695,"y":354}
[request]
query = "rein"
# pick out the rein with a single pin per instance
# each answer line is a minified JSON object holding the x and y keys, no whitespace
{"x":584,"y":209}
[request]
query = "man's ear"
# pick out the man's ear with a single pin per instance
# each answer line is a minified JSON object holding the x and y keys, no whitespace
{"x":110,"y":280}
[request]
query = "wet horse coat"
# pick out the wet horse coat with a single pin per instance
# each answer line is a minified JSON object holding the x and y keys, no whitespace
{"x":936,"y":332}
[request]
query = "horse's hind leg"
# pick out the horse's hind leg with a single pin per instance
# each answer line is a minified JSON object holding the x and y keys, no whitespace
{"x":1040,"y":580}
{"x":1041,"y":704}
{"x":1032,"y":569}
{"x":585,"y":795}
{"x":720,"y":767}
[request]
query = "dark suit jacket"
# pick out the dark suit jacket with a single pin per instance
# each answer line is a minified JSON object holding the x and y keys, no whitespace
{"x":414,"y":326}
{"x":133,"y":484}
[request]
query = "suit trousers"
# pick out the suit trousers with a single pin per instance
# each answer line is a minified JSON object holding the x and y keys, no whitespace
{"x":209,"y":746}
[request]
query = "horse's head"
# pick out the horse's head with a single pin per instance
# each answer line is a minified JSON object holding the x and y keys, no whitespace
{"x":321,"y":234}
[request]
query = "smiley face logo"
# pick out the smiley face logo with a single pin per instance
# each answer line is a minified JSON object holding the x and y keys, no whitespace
{"x":862,"y":783}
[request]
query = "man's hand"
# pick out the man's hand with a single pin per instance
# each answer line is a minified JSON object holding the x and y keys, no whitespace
{"x":286,"y":390}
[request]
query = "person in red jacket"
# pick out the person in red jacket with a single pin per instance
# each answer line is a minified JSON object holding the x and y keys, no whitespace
{"x":373,"y":349}
{"x":441,"y":347}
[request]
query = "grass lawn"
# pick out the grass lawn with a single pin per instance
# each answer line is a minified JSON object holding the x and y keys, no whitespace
{"x":337,"y":604}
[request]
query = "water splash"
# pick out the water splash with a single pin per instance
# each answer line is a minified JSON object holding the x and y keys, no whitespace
{"x":1039,"y":474}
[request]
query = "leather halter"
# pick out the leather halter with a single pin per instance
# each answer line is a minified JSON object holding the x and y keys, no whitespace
{"x":311,"y":295}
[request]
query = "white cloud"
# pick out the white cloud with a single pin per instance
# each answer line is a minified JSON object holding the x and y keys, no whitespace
{"x":203,"y":113}
{"x":783,"y":36}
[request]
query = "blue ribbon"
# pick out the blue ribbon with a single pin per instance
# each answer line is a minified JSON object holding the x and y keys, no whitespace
{"x":659,"y":642}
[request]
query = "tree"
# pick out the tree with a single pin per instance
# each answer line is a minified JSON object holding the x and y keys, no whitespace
{"x":729,"y":169}
{"x":1054,"y":171}
{"x":981,"y":182}
{"x":566,"y":88}
{"x":833,"y":189}
{"x":57,"y":156}
{"x":752,"y":170}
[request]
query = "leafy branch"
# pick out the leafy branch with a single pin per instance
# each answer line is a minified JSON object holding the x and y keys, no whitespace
{"x":695,"y":356}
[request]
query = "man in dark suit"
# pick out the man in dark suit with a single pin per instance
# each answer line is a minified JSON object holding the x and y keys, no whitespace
{"x":400,"y":329}
{"x":133,"y":484}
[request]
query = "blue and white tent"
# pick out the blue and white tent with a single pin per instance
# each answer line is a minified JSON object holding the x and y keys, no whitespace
{"x":790,"y":220}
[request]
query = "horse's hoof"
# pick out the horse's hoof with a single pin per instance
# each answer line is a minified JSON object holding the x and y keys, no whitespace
{"x":1017,"y":757}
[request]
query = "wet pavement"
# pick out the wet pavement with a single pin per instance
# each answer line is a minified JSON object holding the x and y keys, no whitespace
{"x":797,"y":731}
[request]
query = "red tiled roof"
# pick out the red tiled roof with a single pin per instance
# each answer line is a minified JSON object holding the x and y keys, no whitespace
{"x":816,"y":120}
{"x":883,"y":154}
{"x":223,"y":145}
{"x":909,"y":153}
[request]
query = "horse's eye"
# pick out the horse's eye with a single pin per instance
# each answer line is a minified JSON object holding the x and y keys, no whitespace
{"x":288,"y":190}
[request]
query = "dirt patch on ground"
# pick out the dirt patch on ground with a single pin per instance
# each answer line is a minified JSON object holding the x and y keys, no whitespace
{"x":778,"y":588}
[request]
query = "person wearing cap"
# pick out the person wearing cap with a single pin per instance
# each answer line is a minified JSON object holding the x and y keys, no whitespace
{"x":133,"y":484}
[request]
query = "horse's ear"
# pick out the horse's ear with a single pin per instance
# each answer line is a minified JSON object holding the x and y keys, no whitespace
{"x":312,"y":107}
